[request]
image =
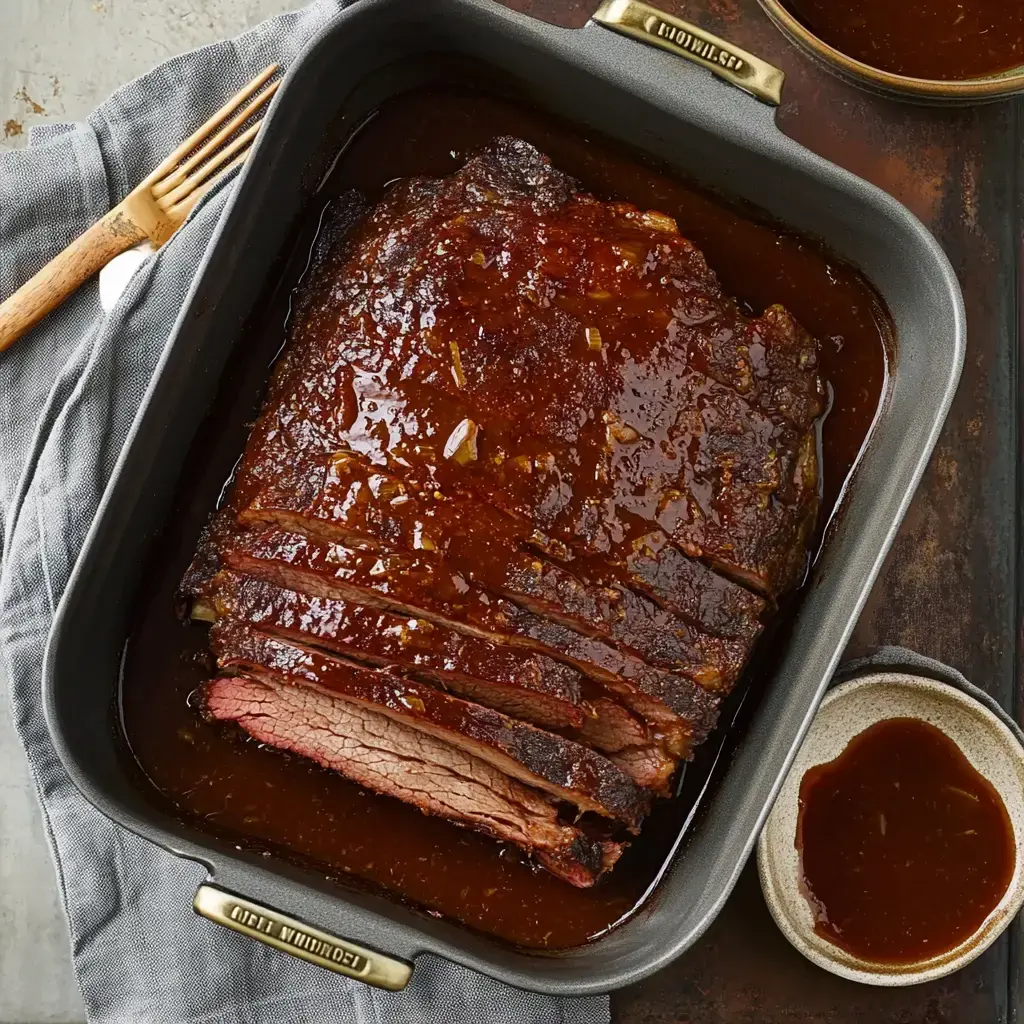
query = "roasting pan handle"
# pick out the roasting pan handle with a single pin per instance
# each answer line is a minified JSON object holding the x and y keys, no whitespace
{"x":300,"y":939}
{"x":649,"y":25}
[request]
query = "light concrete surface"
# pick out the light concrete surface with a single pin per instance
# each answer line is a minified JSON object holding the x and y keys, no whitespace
{"x":58,"y":59}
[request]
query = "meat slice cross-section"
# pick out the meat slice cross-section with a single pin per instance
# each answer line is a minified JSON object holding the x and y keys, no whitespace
{"x":388,"y":757}
{"x":554,"y":764}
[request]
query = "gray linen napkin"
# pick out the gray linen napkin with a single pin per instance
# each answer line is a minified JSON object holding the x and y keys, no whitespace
{"x":900,"y":659}
{"x":68,"y":394}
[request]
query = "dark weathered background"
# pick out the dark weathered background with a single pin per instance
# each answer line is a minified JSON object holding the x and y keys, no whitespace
{"x":948,"y":590}
{"x":949,"y":587}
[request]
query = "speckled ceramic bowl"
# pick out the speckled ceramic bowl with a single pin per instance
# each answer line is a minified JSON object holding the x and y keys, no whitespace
{"x":989,"y":745}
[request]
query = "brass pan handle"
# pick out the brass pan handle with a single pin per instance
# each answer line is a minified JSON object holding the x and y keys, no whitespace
{"x":649,"y":25}
{"x":300,"y":939}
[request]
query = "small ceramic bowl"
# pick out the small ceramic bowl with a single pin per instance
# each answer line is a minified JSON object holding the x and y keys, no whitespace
{"x":925,"y":90}
{"x":986,"y":741}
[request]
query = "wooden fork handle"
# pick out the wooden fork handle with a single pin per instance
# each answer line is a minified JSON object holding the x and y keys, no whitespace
{"x":66,"y":272}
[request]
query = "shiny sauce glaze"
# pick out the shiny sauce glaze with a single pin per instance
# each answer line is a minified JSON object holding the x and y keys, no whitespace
{"x":938,"y":39}
{"x":905,"y":847}
{"x":286,"y":807}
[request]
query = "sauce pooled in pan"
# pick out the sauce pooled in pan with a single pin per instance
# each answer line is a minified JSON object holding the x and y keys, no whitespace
{"x":285,"y":806}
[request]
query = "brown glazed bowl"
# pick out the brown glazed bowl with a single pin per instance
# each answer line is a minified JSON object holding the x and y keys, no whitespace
{"x":920,"y":90}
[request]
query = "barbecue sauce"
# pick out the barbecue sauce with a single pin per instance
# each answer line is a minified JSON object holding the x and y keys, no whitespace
{"x":905,"y":847}
{"x":283,"y":806}
{"x":937,"y":39}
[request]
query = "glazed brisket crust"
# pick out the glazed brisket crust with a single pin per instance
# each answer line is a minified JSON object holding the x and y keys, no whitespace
{"x":495,"y":284}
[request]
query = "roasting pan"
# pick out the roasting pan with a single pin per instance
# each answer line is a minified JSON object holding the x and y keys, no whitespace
{"x":680,"y":113}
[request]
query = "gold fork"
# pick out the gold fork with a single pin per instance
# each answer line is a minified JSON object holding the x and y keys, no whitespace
{"x":153,"y":210}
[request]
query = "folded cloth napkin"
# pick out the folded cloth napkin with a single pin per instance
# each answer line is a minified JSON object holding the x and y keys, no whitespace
{"x":68,"y":394}
{"x":899,"y":659}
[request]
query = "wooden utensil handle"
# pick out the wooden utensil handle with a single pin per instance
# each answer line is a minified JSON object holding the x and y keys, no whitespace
{"x":66,"y":272}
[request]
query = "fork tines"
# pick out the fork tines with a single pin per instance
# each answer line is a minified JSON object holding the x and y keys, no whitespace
{"x":216,"y":148}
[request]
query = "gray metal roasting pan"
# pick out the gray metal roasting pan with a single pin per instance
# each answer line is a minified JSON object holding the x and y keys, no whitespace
{"x":678,"y":113}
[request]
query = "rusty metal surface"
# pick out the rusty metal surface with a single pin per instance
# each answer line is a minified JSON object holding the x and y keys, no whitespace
{"x":949,"y":587}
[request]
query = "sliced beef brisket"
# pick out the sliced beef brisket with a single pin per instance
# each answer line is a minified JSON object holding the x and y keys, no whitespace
{"x":520,"y":683}
{"x":342,"y":498}
{"x":554,"y":764}
{"x":523,"y":488}
{"x":679,"y":707}
{"x":391,"y":758}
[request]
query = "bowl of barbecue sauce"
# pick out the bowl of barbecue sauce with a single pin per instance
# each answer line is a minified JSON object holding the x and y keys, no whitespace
{"x":892,"y":854}
{"x":957,"y":51}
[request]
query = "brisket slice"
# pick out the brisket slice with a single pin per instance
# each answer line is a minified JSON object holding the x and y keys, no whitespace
{"x":626,"y":742}
{"x":638,"y":763}
{"x":558,"y":766}
{"x":518,"y":683}
{"x":342,"y":498}
{"x":391,"y":758}
{"x":681,"y":711}
{"x":673,"y":580}
{"x":692,"y":590}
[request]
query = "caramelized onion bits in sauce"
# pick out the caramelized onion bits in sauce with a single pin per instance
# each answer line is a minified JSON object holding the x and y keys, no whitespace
{"x":287,"y":807}
{"x":937,"y":39}
{"x":906,"y":849}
